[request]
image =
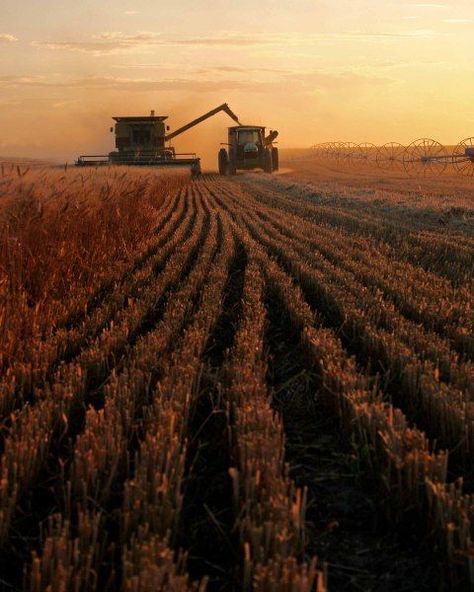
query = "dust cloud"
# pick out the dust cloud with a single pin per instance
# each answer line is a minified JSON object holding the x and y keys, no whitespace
{"x":62,"y":134}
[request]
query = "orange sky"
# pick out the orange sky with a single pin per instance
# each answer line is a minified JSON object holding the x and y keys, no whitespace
{"x":359,"y":70}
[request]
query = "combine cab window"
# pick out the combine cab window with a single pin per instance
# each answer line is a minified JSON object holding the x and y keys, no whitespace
{"x":142,"y":136}
{"x":248,"y":137}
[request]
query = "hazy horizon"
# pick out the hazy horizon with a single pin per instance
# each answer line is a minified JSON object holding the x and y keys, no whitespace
{"x":314,"y":70}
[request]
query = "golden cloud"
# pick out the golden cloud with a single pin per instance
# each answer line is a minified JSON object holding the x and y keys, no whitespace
{"x":7,"y":38}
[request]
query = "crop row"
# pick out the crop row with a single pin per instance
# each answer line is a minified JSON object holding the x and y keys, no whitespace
{"x":389,"y":232}
{"x":270,"y":511}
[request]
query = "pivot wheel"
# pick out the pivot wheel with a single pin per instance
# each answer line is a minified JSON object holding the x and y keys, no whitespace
{"x":425,"y":158}
{"x":390,"y":156}
{"x":337,"y":149}
{"x":328,"y":150}
{"x":463,"y":158}
{"x":346,"y":152}
{"x":365,"y":153}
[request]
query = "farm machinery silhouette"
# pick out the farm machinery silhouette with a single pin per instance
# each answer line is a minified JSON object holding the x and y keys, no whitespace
{"x":142,"y":141}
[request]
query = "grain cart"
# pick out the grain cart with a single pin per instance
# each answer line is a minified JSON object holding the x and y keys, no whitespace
{"x":141,"y":141}
{"x":248,"y":148}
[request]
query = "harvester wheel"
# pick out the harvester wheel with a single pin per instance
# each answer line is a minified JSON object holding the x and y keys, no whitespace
{"x":275,"y":159}
{"x":223,"y":161}
{"x":268,"y":162}
{"x":196,"y":169}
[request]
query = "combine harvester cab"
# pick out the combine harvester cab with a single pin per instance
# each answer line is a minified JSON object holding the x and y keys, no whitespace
{"x":248,"y":149}
{"x":141,"y":141}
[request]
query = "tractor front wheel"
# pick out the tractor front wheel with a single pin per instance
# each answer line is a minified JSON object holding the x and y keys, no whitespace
{"x":268,"y":162}
{"x":232,"y":168}
{"x":223,"y":161}
{"x":275,"y":159}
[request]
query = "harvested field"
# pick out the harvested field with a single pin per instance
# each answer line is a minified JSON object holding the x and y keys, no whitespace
{"x":250,"y":383}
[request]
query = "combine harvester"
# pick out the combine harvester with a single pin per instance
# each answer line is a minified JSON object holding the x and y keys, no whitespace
{"x":141,"y":141}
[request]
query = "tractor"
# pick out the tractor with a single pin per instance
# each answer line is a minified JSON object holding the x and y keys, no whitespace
{"x":247,"y":149}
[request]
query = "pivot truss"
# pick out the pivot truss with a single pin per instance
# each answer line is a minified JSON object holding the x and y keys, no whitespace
{"x":422,"y":158}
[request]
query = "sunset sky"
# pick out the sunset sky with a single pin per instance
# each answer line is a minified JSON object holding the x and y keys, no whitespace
{"x":360,"y":70}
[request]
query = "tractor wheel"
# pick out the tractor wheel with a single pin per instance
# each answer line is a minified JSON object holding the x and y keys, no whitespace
{"x":223,"y":161}
{"x":268,"y":162}
{"x":275,"y":159}
{"x":232,"y":168}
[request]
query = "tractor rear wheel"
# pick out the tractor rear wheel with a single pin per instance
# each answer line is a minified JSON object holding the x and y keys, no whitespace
{"x":268,"y":162}
{"x":275,"y":159}
{"x":223,"y":161}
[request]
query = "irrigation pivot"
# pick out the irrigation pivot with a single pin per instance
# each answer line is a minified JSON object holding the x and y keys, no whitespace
{"x":424,"y":157}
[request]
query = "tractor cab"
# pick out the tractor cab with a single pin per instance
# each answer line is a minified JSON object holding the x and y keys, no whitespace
{"x":248,"y":143}
{"x":247,"y":136}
